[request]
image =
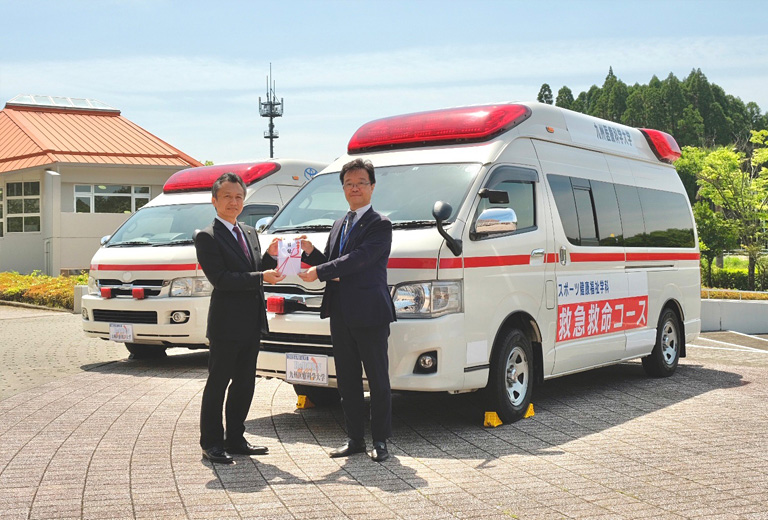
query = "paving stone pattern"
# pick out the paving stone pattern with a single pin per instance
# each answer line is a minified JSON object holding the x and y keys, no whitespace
{"x":119,"y":440}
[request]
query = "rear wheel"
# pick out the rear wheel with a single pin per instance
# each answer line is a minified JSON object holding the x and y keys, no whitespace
{"x":139,"y":351}
{"x":665,"y":355}
{"x":510,"y":384}
{"x":319,"y":395}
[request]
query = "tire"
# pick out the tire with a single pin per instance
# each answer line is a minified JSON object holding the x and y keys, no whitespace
{"x":662,"y":362}
{"x":319,"y":395}
{"x":510,"y":383}
{"x":139,"y":351}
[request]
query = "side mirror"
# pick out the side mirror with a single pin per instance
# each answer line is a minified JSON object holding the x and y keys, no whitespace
{"x":496,"y":220}
{"x":442,"y":211}
{"x":104,"y":239}
{"x":262,"y":223}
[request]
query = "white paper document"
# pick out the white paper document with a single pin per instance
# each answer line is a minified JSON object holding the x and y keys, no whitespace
{"x":289,"y":256}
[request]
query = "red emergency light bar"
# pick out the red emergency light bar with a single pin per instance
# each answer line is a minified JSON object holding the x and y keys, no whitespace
{"x":438,"y":127}
{"x":203,"y":177}
{"x":663,"y":145}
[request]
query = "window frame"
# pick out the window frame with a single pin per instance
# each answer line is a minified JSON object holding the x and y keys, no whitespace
{"x":507,"y":173}
{"x":91,"y":195}
{"x":632,"y":214}
{"x":23,"y":215}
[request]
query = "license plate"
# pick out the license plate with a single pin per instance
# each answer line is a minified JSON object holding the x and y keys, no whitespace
{"x":121,"y":332}
{"x":306,"y":369}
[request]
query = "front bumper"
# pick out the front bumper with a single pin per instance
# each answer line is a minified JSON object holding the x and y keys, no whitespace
{"x":151,"y":319}
{"x":306,"y":333}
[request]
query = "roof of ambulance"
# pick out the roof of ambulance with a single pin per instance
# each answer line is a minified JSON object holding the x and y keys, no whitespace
{"x":567,"y":127}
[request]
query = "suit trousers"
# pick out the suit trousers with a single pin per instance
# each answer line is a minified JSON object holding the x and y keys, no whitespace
{"x":230,"y":364}
{"x":351,"y":347}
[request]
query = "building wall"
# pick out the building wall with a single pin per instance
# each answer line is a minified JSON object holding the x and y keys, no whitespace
{"x":22,"y":252}
{"x":68,"y":240}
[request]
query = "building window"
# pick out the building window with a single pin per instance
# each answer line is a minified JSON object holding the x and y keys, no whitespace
{"x":109,"y":198}
{"x":2,"y":221}
{"x":22,"y":203}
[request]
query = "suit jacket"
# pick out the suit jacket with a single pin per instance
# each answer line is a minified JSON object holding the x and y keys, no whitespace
{"x":237,"y":308}
{"x":361,"y":269}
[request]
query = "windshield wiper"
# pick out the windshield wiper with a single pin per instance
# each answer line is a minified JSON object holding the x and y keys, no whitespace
{"x":316,"y":227}
{"x":130,"y":243}
{"x":413,"y":224}
{"x":179,"y":242}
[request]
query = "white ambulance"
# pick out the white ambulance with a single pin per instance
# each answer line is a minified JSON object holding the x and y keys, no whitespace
{"x":145,"y":287}
{"x":530,"y":242}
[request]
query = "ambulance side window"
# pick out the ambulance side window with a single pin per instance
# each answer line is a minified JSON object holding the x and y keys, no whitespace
{"x":254,"y":212}
{"x":520,"y":185}
{"x":589,"y":210}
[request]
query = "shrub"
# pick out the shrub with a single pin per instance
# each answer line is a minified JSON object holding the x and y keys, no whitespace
{"x":40,"y":289}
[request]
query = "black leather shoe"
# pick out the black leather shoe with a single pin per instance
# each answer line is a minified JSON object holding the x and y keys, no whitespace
{"x":218,"y":454}
{"x":379,"y":452}
{"x":246,"y":448}
{"x":349,"y":448}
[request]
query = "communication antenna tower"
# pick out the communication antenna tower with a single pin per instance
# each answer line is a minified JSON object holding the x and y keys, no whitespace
{"x":271,"y":108}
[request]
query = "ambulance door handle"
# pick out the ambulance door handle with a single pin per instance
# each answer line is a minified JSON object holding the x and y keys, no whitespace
{"x":563,"y":255}
{"x":537,"y":257}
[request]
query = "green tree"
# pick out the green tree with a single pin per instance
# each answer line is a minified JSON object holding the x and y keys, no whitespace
{"x":673,"y":101}
{"x":545,"y":94}
{"x":634,"y":115}
{"x":688,"y":166}
{"x":727,"y":179}
{"x":690,"y":129}
{"x":564,"y":98}
{"x":716,"y":235}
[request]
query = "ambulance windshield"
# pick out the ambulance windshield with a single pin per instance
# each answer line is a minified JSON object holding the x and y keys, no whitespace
{"x":163,"y":225}
{"x":404,"y":194}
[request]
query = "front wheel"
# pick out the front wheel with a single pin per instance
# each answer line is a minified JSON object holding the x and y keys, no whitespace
{"x":665,"y":355}
{"x":139,"y":351}
{"x":319,"y":395}
{"x":510,"y":383}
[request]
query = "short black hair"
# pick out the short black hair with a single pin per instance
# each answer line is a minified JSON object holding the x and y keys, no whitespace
{"x":358,"y":164}
{"x":227,"y":177}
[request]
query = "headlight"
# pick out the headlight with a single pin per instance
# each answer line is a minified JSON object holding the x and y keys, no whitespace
{"x":427,"y":299}
{"x":93,"y":287}
{"x":195,"y":286}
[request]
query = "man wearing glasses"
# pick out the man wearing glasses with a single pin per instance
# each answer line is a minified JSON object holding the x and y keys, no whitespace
{"x":357,"y":300}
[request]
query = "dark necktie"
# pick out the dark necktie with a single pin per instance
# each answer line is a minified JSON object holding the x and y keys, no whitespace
{"x":241,"y":241}
{"x":348,"y":223}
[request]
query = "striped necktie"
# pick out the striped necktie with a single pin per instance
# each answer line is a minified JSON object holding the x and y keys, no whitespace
{"x":241,"y":241}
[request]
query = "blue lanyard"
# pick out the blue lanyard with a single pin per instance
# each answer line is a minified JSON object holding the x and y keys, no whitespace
{"x":344,"y":235}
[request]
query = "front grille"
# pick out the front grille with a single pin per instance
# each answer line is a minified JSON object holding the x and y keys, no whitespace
{"x":298,"y":343}
{"x":125,"y":316}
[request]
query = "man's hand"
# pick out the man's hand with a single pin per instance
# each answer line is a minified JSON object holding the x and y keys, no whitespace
{"x":306,"y":245}
{"x":272,"y":276}
{"x":310,"y":275}
{"x":272,"y":249}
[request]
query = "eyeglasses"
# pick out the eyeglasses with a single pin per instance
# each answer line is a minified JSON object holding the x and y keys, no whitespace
{"x":353,"y":185}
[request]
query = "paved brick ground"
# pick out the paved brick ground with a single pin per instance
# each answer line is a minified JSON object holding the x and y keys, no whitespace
{"x":97,"y":439}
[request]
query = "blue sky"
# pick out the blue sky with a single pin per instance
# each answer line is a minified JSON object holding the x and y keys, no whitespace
{"x":191,"y":72}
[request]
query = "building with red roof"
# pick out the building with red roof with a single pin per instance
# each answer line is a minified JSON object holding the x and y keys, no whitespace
{"x":71,"y":171}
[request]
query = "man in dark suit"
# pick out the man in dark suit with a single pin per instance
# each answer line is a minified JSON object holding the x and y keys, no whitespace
{"x":357,"y":299}
{"x":229,"y":254}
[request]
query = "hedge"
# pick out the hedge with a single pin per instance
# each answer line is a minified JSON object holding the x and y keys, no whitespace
{"x":40,"y":289}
